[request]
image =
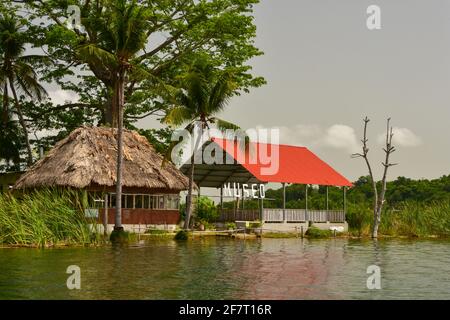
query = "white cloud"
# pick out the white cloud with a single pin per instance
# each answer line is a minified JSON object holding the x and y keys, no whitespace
{"x":300,"y":135}
{"x":45,"y":133}
{"x":403,"y":137}
{"x":337,"y":136}
{"x":340,"y":136}
{"x":62,"y":96}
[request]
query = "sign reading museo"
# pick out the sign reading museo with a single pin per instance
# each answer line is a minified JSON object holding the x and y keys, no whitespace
{"x":253,"y":190}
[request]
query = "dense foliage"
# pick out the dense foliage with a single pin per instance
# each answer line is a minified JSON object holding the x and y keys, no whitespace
{"x":401,"y":190}
{"x":82,"y":60}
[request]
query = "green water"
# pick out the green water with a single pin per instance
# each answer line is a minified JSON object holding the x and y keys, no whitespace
{"x":232,"y":269}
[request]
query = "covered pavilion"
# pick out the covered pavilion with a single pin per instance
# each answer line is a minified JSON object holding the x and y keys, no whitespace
{"x":262,"y":163}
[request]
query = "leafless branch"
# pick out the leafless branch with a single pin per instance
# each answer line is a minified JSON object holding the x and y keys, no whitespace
{"x":379,"y":198}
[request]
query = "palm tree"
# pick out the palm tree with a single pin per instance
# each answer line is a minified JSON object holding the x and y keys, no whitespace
{"x":205,"y":92}
{"x":17,"y":73}
{"x":122,"y":34}
{"x":10,"y":143}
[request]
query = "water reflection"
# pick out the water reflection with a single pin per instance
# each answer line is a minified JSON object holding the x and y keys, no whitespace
{"x":232,"y":269}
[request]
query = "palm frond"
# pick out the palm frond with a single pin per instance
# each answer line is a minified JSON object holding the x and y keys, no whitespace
{"x":223,"y":125}
{"x":197,"y":90}
{"x":91,"y":53}
{"x":35,"y":59}
{"x":138,"y":73}
{"x":26,"y":80}
{"x":178,"y":115}
{"x":221,"y":92}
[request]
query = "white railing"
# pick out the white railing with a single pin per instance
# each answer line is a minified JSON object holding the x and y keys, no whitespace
{"x":273,"y":215}
{"x":302,"y":215}
{"x":276,"y":215}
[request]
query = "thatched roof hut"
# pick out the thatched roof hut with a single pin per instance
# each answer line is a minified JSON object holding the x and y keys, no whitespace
{"x":87,"y":159}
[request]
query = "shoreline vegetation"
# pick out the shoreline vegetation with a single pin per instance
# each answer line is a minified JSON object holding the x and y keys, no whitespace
{"x":55,"y":218}
{"x":45,"y":218}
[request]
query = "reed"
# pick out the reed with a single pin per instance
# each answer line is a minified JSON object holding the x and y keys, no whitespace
{"x":44,"y":218}
{"x":412,"y":219}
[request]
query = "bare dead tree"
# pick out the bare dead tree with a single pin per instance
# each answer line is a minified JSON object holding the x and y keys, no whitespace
{"x":379,"y":197}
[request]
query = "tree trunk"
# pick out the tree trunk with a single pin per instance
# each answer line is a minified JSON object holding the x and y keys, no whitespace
{"x":376,"y":223}
{"x":22,"y":124}
{"x":5,"y":111}
{"x":119,"y":105}
{"x":191,"y":178}
{"x":375,"y":210}
{"x":111,"y":110}
{"x":189,"y":195}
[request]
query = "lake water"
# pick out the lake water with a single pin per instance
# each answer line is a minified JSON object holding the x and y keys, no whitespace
{"x":216,"y":268}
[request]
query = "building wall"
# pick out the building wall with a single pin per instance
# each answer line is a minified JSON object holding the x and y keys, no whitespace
{"x":133,"y":228}
{"x":143,"y":216}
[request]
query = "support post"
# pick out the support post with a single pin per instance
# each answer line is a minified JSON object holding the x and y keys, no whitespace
{"x":198,"y":204}
{"x":328,"y":215}
{"x":221,"y":198}
{"x":344,"y":200}
{"x":105,"y":216}
{"x":234,"y":207}
{"x":261,"y":208}
{"x":222,"y":214}
{"x":243,"y":201}
{"x":306,"y":203}
{"x":284,"y":202}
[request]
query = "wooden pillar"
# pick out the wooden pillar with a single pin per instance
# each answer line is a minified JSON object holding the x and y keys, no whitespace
{"x":105,"y":216}
{"x":221,"y":198}
{"x":194,"y":213}
{"x":306,"y":202}
{"x":234,"y":206}
{"x":261,"y":208}
{"x":243,"y":200}
{"x":284,"y":202}
{"x":344,"y":200}
{"x":327,"y":199}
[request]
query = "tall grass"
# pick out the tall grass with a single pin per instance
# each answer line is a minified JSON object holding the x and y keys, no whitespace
{"x":413,"y":219}
{"x":44,"y":217}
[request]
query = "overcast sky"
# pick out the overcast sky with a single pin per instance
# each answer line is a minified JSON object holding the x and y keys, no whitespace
{"x":326,"y":71}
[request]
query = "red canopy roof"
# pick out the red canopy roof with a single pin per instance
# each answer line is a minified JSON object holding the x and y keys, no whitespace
{"x":292,"y":165}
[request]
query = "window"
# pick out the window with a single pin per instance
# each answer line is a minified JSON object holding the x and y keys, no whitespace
{"x":112,"y":201}
{"x":143,"y":201}
{"x":154,"y":202}
{"x":138,"y":201}
{"x":124,"y":201}
{"x":161,"y":202}
{"x":176,"y":202}
{"x":130,"y":201}
{"x":172,"y":201}
{"x":146,"y":204}
{"x":95,"y":200}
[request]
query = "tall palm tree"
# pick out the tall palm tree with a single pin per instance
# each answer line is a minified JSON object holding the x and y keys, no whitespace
{"x":10,"y":143}
{"x":122,"y":33}
{"x":17,"y":74}
{"x":205,"y":92}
